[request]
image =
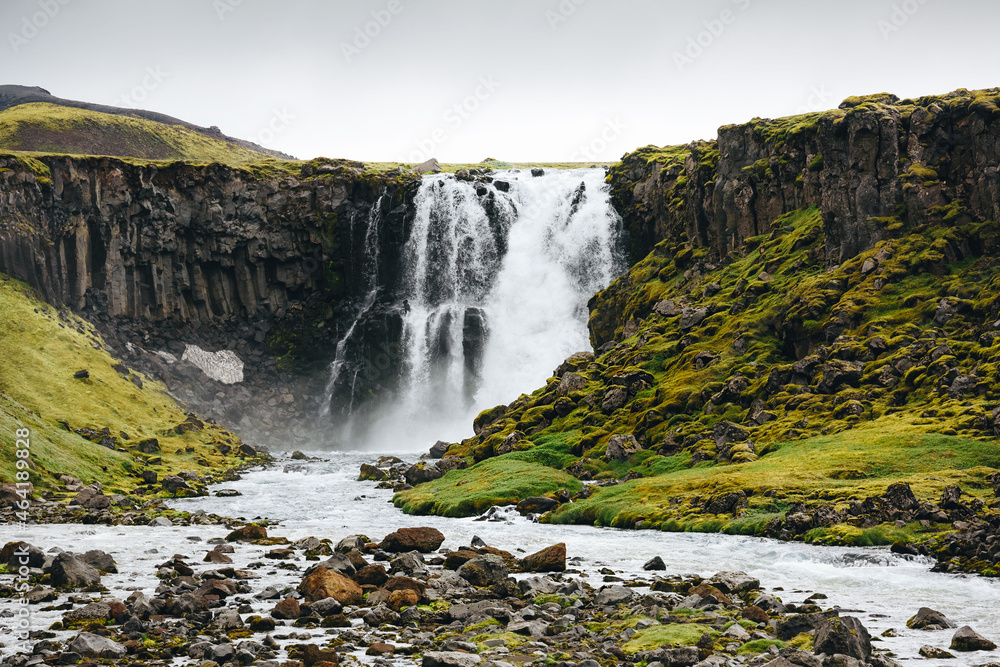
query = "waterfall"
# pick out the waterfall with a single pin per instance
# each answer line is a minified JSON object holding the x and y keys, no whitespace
{"x":371,"y":280}
{"x":497,"y":272}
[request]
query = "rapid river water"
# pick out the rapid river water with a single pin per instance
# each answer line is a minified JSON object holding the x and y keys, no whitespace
{"x":323,"y":499}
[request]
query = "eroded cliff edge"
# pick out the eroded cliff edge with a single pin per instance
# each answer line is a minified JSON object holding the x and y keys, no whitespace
{"x":265,"y":263}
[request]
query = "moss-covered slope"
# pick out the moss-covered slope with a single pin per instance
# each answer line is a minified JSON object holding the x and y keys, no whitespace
{"x":107,"y":427}
{"x":729,"y":396}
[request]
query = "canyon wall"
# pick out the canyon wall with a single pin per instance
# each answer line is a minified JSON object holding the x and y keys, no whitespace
{"x":165,"y":257}
{"x":875,"y":163}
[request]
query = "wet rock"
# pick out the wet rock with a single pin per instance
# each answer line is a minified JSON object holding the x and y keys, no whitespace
{"x":101,"y":560}
{"x":536,"y":505}
{"x":928,"y":619}
{"x":287,"y":608}
{"x":95,"y":611}
{"x":845,"y":635}
{"x":21,"y":554}
{"x":67,"y":570}
{"x":733,"y":583}
{"x":654,"y":564}
{"x":422,"y":472}
{"x":90,"y":645}
{"x":967,"y":639}
{"x":227,"y":619}
{"x":372,"y":575}
{"x":371,"y":473}
{"x":549,"y":559}
{"x":799,"y":623}
{"x":247,"y":533}
{"x":173,"y":483}
{"x":217,"y":557}
{"x":484,"y":570}
{"x":935,"y":653}
{"x":322,"y":583}
{"x":424,"y":540}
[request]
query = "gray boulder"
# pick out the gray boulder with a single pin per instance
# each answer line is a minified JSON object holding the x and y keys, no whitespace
{"x":450,"y":659}
{"x":967,"y":639}
{"x":733,"y":583}
{"x":89,"y":645}
{"x":845,"y":635}
{"x":612,"y":595}
{"x":928,"y":619}
{"x":101,"y":560}
{"x":484,"y":570}
{"x":431,"y":166}
{"x":68,"y":570}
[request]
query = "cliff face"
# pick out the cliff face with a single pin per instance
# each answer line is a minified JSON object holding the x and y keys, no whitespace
{"x":874,"y":166}
{"x":165,"y":256}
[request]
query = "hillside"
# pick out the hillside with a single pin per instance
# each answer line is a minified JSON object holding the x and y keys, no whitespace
{"x":110,"y":426}
{"x":778,"y":360}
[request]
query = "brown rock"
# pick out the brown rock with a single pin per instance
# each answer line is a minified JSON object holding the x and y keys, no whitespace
{"x":217,"y":557}
{"x":380,"y":649}
{"x":404,"y":597}
{"x":456,"y":559}
{"x":424,"y":540}
{"x":549,"y":559}
{"x":755,"y":614}
{"x":705,"y":590}
{"x":247,"y":533}
{"x":405,"y":583}
{"x":287,"y":608}
{"x":322,"y":584}
{"x":371,"y":575}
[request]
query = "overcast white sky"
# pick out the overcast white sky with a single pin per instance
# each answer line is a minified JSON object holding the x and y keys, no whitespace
{"x":533,"y":80}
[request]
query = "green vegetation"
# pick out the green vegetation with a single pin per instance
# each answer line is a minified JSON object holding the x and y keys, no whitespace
{"x":673,"y":634}
{"x":796,"y":385}
{"x":495,"y":482}
{"x":41,"y":348}
{"x":51,"y":128}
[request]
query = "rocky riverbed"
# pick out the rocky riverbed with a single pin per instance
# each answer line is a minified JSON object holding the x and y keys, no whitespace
{"x":254,"y":597}
{"x":300,"y":583}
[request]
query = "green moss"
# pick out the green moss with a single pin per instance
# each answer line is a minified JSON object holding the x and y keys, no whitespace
{"x":673,"y":634}
{"x":759,"y":646}
{"x":497,"y":481}
{"x":38,"y":358}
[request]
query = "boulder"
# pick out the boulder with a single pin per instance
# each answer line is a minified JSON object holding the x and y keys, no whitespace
{"x":536,"y":505}
{"x":89,"y":645}
{"x":322,"y":583}
{"x":967,"y":639}
{"x":692,"y":317}
{"x":371,"y":575}
{"x":733,"y":583}
{"x":424,"y":540}
{"x":620,"y":447}
{"x":95,"y":611}
{"x":569,"y":383}
{"x":935,"y":653}
{"x":549,"y":559}
{"x":287,"y":608}
{"x":654,"y":564}
{"x":247,"y":533}
{"x":21,"y":554}
{"x":799,"y":623}
{"x":68,"y":570}
{"x":484,"y":570}
{"x":371,"y":473}
{"x":928,"y":619}
{"x":612,"y":595}
{"x":431,"y":166}
{"x":422,"y":472}
{"x":449,"y":659}
{"x":845,"y":635}
{"x":438,"y":449}
{"x":614,"y":399}
{"x":101,"y":560}
{"x":172,"y":484}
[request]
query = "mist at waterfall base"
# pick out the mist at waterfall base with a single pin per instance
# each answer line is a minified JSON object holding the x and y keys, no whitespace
{"x":496,"y":277}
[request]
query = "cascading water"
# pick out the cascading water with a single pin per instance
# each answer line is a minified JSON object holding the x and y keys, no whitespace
{"x":371,"y":279}
{"x":497,"y":276}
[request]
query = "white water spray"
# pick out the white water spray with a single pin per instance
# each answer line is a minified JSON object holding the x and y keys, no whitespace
{"x":497,"y":279}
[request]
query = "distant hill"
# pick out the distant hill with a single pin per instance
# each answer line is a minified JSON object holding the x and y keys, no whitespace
{"x":31,"y":119}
